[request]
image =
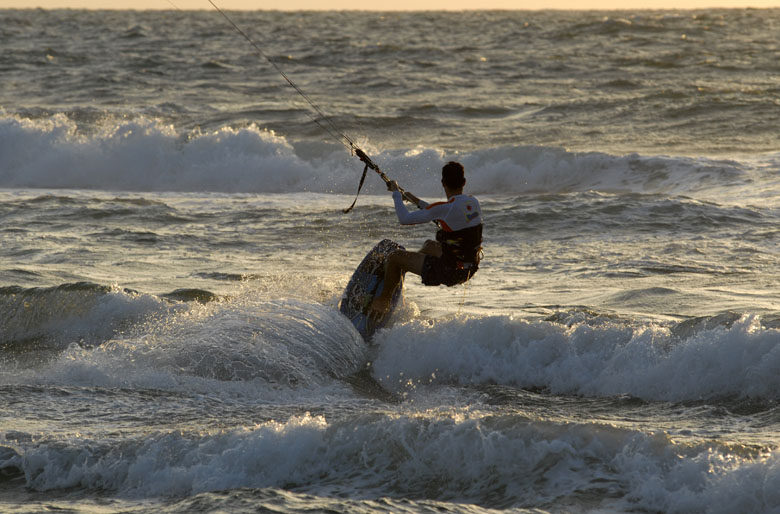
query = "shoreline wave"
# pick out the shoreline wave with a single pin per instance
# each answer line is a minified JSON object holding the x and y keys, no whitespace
{"x":500,"y":461}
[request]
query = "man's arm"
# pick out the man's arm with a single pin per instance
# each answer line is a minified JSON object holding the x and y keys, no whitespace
{"x":430,"y":213}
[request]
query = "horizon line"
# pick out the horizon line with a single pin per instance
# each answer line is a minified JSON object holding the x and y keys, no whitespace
{"x":488,"y":9}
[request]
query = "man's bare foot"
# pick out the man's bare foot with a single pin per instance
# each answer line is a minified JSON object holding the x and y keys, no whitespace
{"x":379,"y":308}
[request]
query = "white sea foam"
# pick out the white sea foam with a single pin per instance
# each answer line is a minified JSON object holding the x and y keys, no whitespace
{"x":610,"y":358}
{"x":451,"y":455}
{"x":146,"y":155}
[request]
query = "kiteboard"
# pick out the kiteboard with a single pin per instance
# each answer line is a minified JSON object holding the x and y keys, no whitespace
{"x":367,"y":283}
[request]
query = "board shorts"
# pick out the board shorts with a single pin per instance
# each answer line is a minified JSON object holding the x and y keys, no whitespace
{"x":436,"y":271}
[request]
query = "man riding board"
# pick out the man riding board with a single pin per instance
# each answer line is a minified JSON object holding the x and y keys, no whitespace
{"x":450,"y":260}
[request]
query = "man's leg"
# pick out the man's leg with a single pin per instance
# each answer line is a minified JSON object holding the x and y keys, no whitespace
{"x":397,"y":263}
{"x":431,"y":248}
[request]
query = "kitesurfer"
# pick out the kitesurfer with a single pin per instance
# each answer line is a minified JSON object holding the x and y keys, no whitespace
{"x":450,"y":260}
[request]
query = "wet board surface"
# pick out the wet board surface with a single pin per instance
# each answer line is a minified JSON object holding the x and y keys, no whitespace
{"x":366,"y":283}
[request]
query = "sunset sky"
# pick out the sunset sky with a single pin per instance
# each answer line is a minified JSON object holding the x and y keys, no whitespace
{"x":389,"y":5}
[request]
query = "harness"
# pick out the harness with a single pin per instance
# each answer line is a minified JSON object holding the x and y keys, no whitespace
{"x":461,"y":249}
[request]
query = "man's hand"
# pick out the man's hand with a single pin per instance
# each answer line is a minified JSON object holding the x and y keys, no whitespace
{"x":416,"y":201}
{"x":392,"y":186}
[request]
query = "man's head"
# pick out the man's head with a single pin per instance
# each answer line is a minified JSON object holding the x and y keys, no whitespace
{"x":452,"y":176}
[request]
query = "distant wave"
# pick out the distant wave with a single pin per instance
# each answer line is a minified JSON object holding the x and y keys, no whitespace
{"x":147,"y":155}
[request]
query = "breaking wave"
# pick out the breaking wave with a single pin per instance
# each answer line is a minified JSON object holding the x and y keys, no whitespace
{"x":711,"y":358}
{"x":147,"y":155}
{"x":454,"y":456}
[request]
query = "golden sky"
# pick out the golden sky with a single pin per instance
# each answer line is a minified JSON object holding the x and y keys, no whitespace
{"x":389,"y":5}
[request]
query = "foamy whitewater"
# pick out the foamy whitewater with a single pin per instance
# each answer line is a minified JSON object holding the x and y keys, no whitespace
{"x":173,"y":253}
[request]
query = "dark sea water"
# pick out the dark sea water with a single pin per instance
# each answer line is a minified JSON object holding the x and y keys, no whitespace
{"x":173,"y":252}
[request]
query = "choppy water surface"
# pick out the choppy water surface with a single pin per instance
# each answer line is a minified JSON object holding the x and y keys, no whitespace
{"x":173,"y":252}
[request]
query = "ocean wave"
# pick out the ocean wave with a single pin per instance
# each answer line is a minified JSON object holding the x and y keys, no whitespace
{"x":452,"y":455}
{"x":147,"y":155}
{"x":87,"y":335}
{"x":587,"y":355}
